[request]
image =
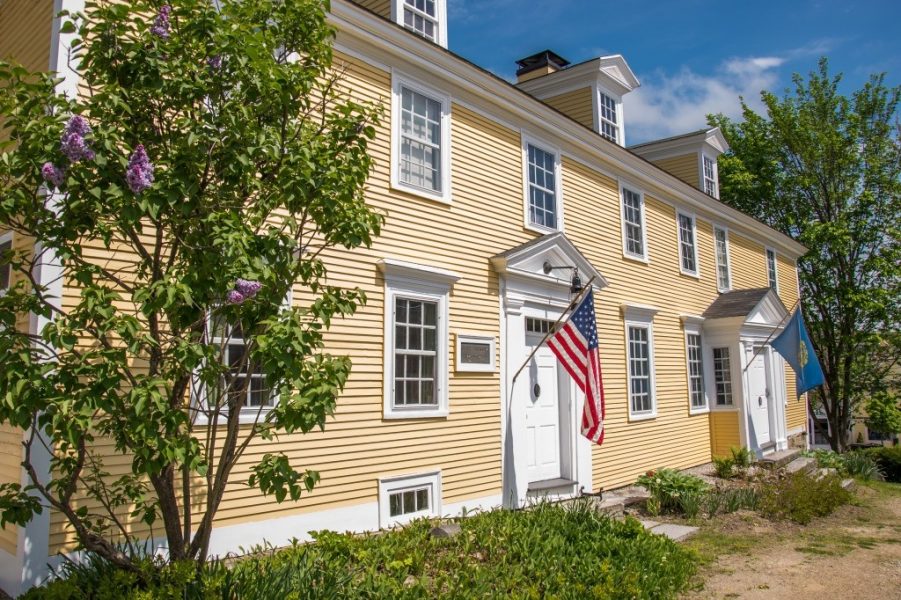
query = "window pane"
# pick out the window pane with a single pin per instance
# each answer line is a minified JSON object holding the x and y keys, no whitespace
{"x":542,"y":187}
{"x":395,"y":505}
{"x":420,"y":159}
{"x":687,"y":243}
{"x":5,"y":269}
{"x":632,"y":218}
{"x":422,"y":499}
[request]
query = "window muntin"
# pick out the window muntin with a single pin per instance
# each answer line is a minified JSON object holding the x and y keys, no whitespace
{"x":609,"y":123}
{"x":415,"y":353}
{"x":710,"y":176}
{"x":633,"y":223}
{"x":410,"y":501}
{"x":722,"y":376}
{"x":641,"y":395}
{"x":695,"y":371}
{"x":723,"y":276}
{"x":6,"y":246}
{"x":246,"y":382}
{"x":421,"y":16}
{"x":539,"y":326}
{"x":771,"y":269}
{"x":688,"y":252}
{"x":420,"y":141}
{"x":542,"y":187}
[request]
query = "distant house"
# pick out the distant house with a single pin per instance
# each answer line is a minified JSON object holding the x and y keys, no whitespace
{"x":495,"y":193}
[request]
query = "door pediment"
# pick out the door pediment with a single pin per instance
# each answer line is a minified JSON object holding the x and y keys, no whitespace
{"x":528,"y":261}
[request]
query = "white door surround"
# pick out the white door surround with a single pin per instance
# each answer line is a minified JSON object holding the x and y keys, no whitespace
{"x":529,"y":434}
{"x":759,"y":397}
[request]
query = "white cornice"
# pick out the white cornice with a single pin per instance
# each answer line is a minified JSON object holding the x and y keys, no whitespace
{"x":711,"y":142}
{"x":365,"y":34}
{"x":611,"y":73}
{"x":391,"y":267}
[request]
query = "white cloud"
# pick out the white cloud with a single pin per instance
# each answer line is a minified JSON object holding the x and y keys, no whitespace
{"x":671,"y":104}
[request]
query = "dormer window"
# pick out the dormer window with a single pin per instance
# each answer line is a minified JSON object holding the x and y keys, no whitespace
{"x":607,"y":114}
{"x":709,"y":166}
{"x":427,"y":18}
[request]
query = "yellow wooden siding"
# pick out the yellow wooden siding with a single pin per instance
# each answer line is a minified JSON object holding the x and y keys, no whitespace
{"x":724,"y":433}
{"x":380,"y":7}
{"x":10,"y":472}
{"x":796,"y":410}
{"x":485,"y":218}
{"x":684,"y":167}
{"x":576,"y":105}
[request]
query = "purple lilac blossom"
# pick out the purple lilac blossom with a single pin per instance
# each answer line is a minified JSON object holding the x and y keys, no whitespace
{"x":52,"y":174}
{"x":139,"y":172}
{"x":234,"y":297}
{"x":73,"y":143}
{"x":161,"y":23}
{"x":248,"y":289}
{"x":214,"y":62}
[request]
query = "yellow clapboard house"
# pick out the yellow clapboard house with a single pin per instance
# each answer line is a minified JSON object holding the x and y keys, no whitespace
{"x":487,"y":218}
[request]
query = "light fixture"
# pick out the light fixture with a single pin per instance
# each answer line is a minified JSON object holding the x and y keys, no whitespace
{"x":575,"y":285}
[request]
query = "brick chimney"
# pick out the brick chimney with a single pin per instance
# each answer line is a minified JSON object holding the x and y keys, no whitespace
{"x":539,"y":65}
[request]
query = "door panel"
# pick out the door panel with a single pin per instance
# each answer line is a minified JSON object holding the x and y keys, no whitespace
{"x":543,"y":418}
{"x":758,"y":400}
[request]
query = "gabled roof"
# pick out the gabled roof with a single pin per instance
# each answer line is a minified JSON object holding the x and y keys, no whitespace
{"x":554,"y":248}
{"x":741,"y":303}
{"x":687,"y":142}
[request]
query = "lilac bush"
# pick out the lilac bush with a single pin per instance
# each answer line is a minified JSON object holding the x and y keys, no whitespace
{"x":248,"y":289}
{"x":52,"y":174}
{"x":73,"y":143}
{"x":139,"y":172}
{"x":161,"y":23}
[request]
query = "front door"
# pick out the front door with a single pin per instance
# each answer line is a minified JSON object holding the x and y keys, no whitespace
{"x":543,"y":413}
{"x":759,"y":399}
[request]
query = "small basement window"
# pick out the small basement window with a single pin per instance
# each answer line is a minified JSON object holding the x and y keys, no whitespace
{"x":402,"y":499}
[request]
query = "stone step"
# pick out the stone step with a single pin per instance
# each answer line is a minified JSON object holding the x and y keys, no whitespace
{"x":677,"y":533}
{"x":781,"y":458}
{"x":804,"y":464}
{"x":849,"y":484}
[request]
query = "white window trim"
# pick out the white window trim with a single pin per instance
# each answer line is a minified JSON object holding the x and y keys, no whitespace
{"x":716,"y":258}
{"x":716,"y":174}
{"x":400,"y":80}
{"x":397,"y":10}
{"x":474,"y":367}
{"x":692,"y":326}
{"x":646,"y":258}
{"x":526,"y":141}
{"x":618,"y":101}
{"x":766,"y":258}
{"x":7,"y":237}
{"x":249,"y":414}
{"x":639,"y":315}
{"x":391,"y":485}
{"x":694,"y":233}
{"x":417,"y":282}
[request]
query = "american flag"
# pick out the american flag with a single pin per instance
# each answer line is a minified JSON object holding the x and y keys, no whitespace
{"x":576,"y":347}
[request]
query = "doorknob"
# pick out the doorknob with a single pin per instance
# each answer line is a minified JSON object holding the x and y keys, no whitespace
{"x":759,"y":400}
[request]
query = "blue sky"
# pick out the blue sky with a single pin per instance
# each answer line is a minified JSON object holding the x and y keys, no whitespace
{"x":692,"y":57}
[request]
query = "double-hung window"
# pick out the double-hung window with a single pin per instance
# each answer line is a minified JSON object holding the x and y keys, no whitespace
{"x":422,"y":141}
{"x":688,"y":251}
{"x":244,"y":383}
{"x":609,"y":122}
{"x":6,"y":246}
{"x":640,"y":361}
{"x":542,"y":187}
{"x":416,"y":339}
{"x":709,"y":168}
{"x":424,"y":17}
{"x":723,"y":275}
{"x":771,"y":274}
{"x":722,"y":376}
{"x":694,"y":352}
{"x":633,"y":224}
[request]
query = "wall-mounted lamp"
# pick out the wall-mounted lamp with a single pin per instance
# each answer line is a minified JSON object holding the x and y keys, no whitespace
{"x":575,"y":285}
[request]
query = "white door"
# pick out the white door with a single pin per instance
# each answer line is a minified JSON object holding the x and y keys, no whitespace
{"x":543,"y":415}
{"x":759,"y":399}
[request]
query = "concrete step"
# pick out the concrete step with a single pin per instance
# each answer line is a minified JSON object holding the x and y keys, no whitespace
{"x":805,"y":464}
{"x":677,"y":533}
{"x":781,"y":458}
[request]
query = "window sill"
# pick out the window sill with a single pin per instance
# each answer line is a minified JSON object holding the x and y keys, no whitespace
{"x":247,"y":417}
{"x":412,"y":414}
{"x":444,"y":198}
{"x":693,"y":275}
{"x":636,"y":258}
{"x":540,"y":229}
{"x":724,"y":408}
{"x":642,"y":416}
{"x":698,"y":411}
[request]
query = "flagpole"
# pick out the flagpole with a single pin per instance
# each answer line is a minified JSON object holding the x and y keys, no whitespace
{"x":553,"y":329}
{"x":775,"y":329}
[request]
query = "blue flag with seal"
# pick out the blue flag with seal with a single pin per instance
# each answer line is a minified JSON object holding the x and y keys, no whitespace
{"x":795,"y":347}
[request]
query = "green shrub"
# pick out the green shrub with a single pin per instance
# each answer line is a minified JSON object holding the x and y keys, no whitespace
{"x":800,"y":497}
{"x":730,"y":500}
{"x":742,"y":457}
{"x":668,"y":486}
{"x":723,"y":466}
{"x":827,"y":459}
{"x":547,"y":551}
{"x":862,"y":465}
{"x":690,"y":504}
{"x":889,"y":462}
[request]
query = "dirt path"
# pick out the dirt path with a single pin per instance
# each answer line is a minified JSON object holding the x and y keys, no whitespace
{"x":854,"y":553}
